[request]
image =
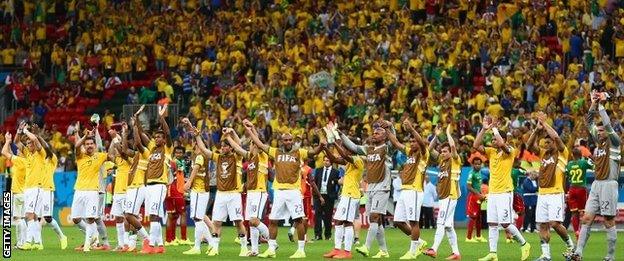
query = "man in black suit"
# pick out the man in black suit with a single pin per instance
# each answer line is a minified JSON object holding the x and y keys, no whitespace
{"x":326,"y":179}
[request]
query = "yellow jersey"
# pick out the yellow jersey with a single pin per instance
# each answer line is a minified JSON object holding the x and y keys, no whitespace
{"x":138,"y":179}
{"x":352,"y":178}
{"x":158,"y":164}
{"x":199,"y":183}
{"x":414,"y":169}
{"x":257,"y":172}
{"x":288,"y":168}
{"x":88,"y":178}
{"x":500,"y":169}
{"x":18,"y":174}
{"x":121,"y":175}
{"x":229,"y":171}
{"x":552,"y":171}
{"x":48,"y":178}
{"x":34,"y":171}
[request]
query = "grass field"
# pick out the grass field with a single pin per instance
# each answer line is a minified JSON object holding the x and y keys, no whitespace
{"x":397,"y":243}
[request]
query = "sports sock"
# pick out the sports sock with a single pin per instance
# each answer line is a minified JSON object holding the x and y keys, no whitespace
{"x":101,"y":229}
{"x":272,"y":244}
{"x":452,"y":237}
{"x":372,"y":233}
{"x":23,"y":231}
{"x":143,"y":233}
{"x":493,"y":238}
{"x":301,"y":245}
{"x":348,"y":238}
{"x":545,"y":248}
{"x":513,"y":230}
{"x":56,"y":228}
{"x":243,"y":240}
{"x":200,"y":230}
{"x":471,"y":225}
{"x":82,"y":225}
{"x":611,"y":239}
{"x":153,"y":231}
{"x":37,"y":233}
{"x":121,"y":233}
{"x":381,"y":239}
{"x":576,"y":223}
{"x":414,"y":246}
{"x":216,"y":241}
{"x":439,"y":234}
{"x":255,"y":238}
{"x":338,"y":236}
{"x":263,"y":229}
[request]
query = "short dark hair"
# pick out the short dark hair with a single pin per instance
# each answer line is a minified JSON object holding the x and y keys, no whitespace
{"x":89,"y":138}
{"x":179,"y":148}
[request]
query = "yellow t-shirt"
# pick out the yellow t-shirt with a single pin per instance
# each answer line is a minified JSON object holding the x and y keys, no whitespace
{"x":34,"y":171}
{"x":138,"y":180}
{"x":263,"y":172}
{"x":47,"y":182}
{"x":198,"y":182}
{"x":303,"y":155}
{"x":500,"y":169}
{"x":421,"y":168}
{"x":456,"y":164}
{"x":18,"y":174}
{"x":89,"y":171}
{"x":562,"y":161}
{"x":121,"y":175}
{"x":352,"y":177}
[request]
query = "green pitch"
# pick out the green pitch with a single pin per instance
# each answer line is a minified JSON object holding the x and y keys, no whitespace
{"x":398,"y":244}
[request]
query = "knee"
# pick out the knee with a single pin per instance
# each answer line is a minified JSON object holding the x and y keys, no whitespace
{"x":76,"y":220}
{"x":554,"y":223}
{"x":609,"y":222}
{"x":119,"y":219}
{"x":48,"y":219}
{"x":505,"y":226}
{"x":587,"y":219}
{"x":254,"y":222}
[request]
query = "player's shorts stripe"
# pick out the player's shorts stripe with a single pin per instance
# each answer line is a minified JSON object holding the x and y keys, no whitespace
{"x":415,"y":206}
{"x":134,"y":202}
{"x":348,"y":207}
{"x":196,"y":202}
{"x":37,"y":198}
{"x":446,"y":214}
{"x":160,"y":202}
{"x":260,"y":208}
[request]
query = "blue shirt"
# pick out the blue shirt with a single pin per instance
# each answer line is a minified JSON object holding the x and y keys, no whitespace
{"x":430,"y":195}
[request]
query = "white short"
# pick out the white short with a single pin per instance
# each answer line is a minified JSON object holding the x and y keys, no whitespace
{"x":254,"y":206}
{"x":117,"y":209}
{"x":155,"y":199}
{"x":500,"y":208}
{"x":85,"y":204}
{"x":33,"y":201}
{"x":135,"y":197}
{"x":287,"y":204}
{"x":101,"y":204}
{"x":47,"y":199}
{"x":550,"y":207}
{"x":227,"y":204}
{"x":199,"y":204}
{"x":17,"y":205}
{"x":408,"y":206}
{"x":378,"y":202}
{"x":347,"y":209}
{"x":446,"y":212}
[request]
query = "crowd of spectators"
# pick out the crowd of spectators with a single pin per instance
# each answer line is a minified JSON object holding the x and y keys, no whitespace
{"x":294,"y":65}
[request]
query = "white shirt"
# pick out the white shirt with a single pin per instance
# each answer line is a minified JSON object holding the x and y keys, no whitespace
{"x":325,"y":179}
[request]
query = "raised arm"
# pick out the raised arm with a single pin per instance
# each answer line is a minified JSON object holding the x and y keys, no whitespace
{"x":531,"y":143}
{"x":256,"y":140}
{"x":316,"y":150}
{"x":33,"y":138}
{"x":98,"y":139}
{"x":137,"y":132}
{"x":478,"y":142}
{"x":349,"y":145}
{"x":590,"y":116}
{"x":451,"y":142}
{"x":229,"y":136}
{"x":395,"y":142}
{"x":333,"y":158}
{"x":423,"y":143}
{"x":200,"y":143}
{"x":79,"y":141}
{"x":606,"y":122}
{"x":344,"y":153}
{"x":554,"y":136}
{"x":433,"y":153}
{"x":6,"y":148}
{"x":164,"y":125}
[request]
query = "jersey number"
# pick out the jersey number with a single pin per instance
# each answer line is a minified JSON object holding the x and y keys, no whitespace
{"x":576,"y":175}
